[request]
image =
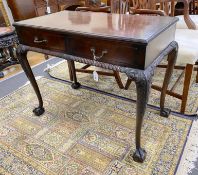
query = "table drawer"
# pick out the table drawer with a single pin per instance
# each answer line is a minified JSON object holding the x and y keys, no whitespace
{"x":41,"y":39}
{"x":118,"y":53}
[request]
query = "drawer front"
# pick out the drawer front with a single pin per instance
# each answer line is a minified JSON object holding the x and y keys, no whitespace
{"x":41,"y":39}
{"x":118,"y":53}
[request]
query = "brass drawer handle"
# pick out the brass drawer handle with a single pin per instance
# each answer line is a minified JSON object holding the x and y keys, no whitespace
{"x":96,"y":58}
{"x":36,"y":40}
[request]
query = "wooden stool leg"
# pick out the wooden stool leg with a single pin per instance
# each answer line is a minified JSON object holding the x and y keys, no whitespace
{"x":118,"y":79}
{"x":70,"y":70}
{"x":128,"y":83}
{"x":187,"y":79}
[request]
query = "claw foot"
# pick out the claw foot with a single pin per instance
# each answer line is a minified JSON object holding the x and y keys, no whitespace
{"x":139,"y":155}
{"x":75,"y":85}
{"x":38,"y":111}
{"x":165,"y":112}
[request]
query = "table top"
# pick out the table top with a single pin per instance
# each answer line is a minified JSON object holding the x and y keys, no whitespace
{"x":136,"y":28}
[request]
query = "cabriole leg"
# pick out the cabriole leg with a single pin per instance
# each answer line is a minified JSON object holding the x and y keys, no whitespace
{"x":22,"y":57}
{"x":143,"y":89}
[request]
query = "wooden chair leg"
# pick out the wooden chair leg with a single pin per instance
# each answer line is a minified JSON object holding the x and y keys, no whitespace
{"x":187,"y":79}
{"x":118,"y":79}
{"x":70,"y":70}
{"x":128,"y":83}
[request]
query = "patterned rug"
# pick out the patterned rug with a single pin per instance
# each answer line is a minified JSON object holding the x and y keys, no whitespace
{"x":83,"y":133}
{"x":108,"y":84}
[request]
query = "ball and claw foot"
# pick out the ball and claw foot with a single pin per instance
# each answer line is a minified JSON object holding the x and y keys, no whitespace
{"x":38,"y":111}
{"x":139,"y":155}
{"x":75,"y":85}
{"x":165,"y":112}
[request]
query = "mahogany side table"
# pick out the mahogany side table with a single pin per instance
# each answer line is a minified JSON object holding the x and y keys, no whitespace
{"x":131,"y":44}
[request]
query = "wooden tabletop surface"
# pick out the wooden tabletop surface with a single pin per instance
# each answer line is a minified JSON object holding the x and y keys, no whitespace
{"x":136,"y":28}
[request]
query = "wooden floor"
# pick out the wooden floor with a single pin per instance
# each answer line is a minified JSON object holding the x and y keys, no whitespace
{"x":33,"y":58}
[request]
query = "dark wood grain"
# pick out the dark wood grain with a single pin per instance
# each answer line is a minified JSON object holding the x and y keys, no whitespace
{"x":128,"y":45}
{"x":51,"y":40}
{"x":118,"y":53}
{"x":110,"y":26}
